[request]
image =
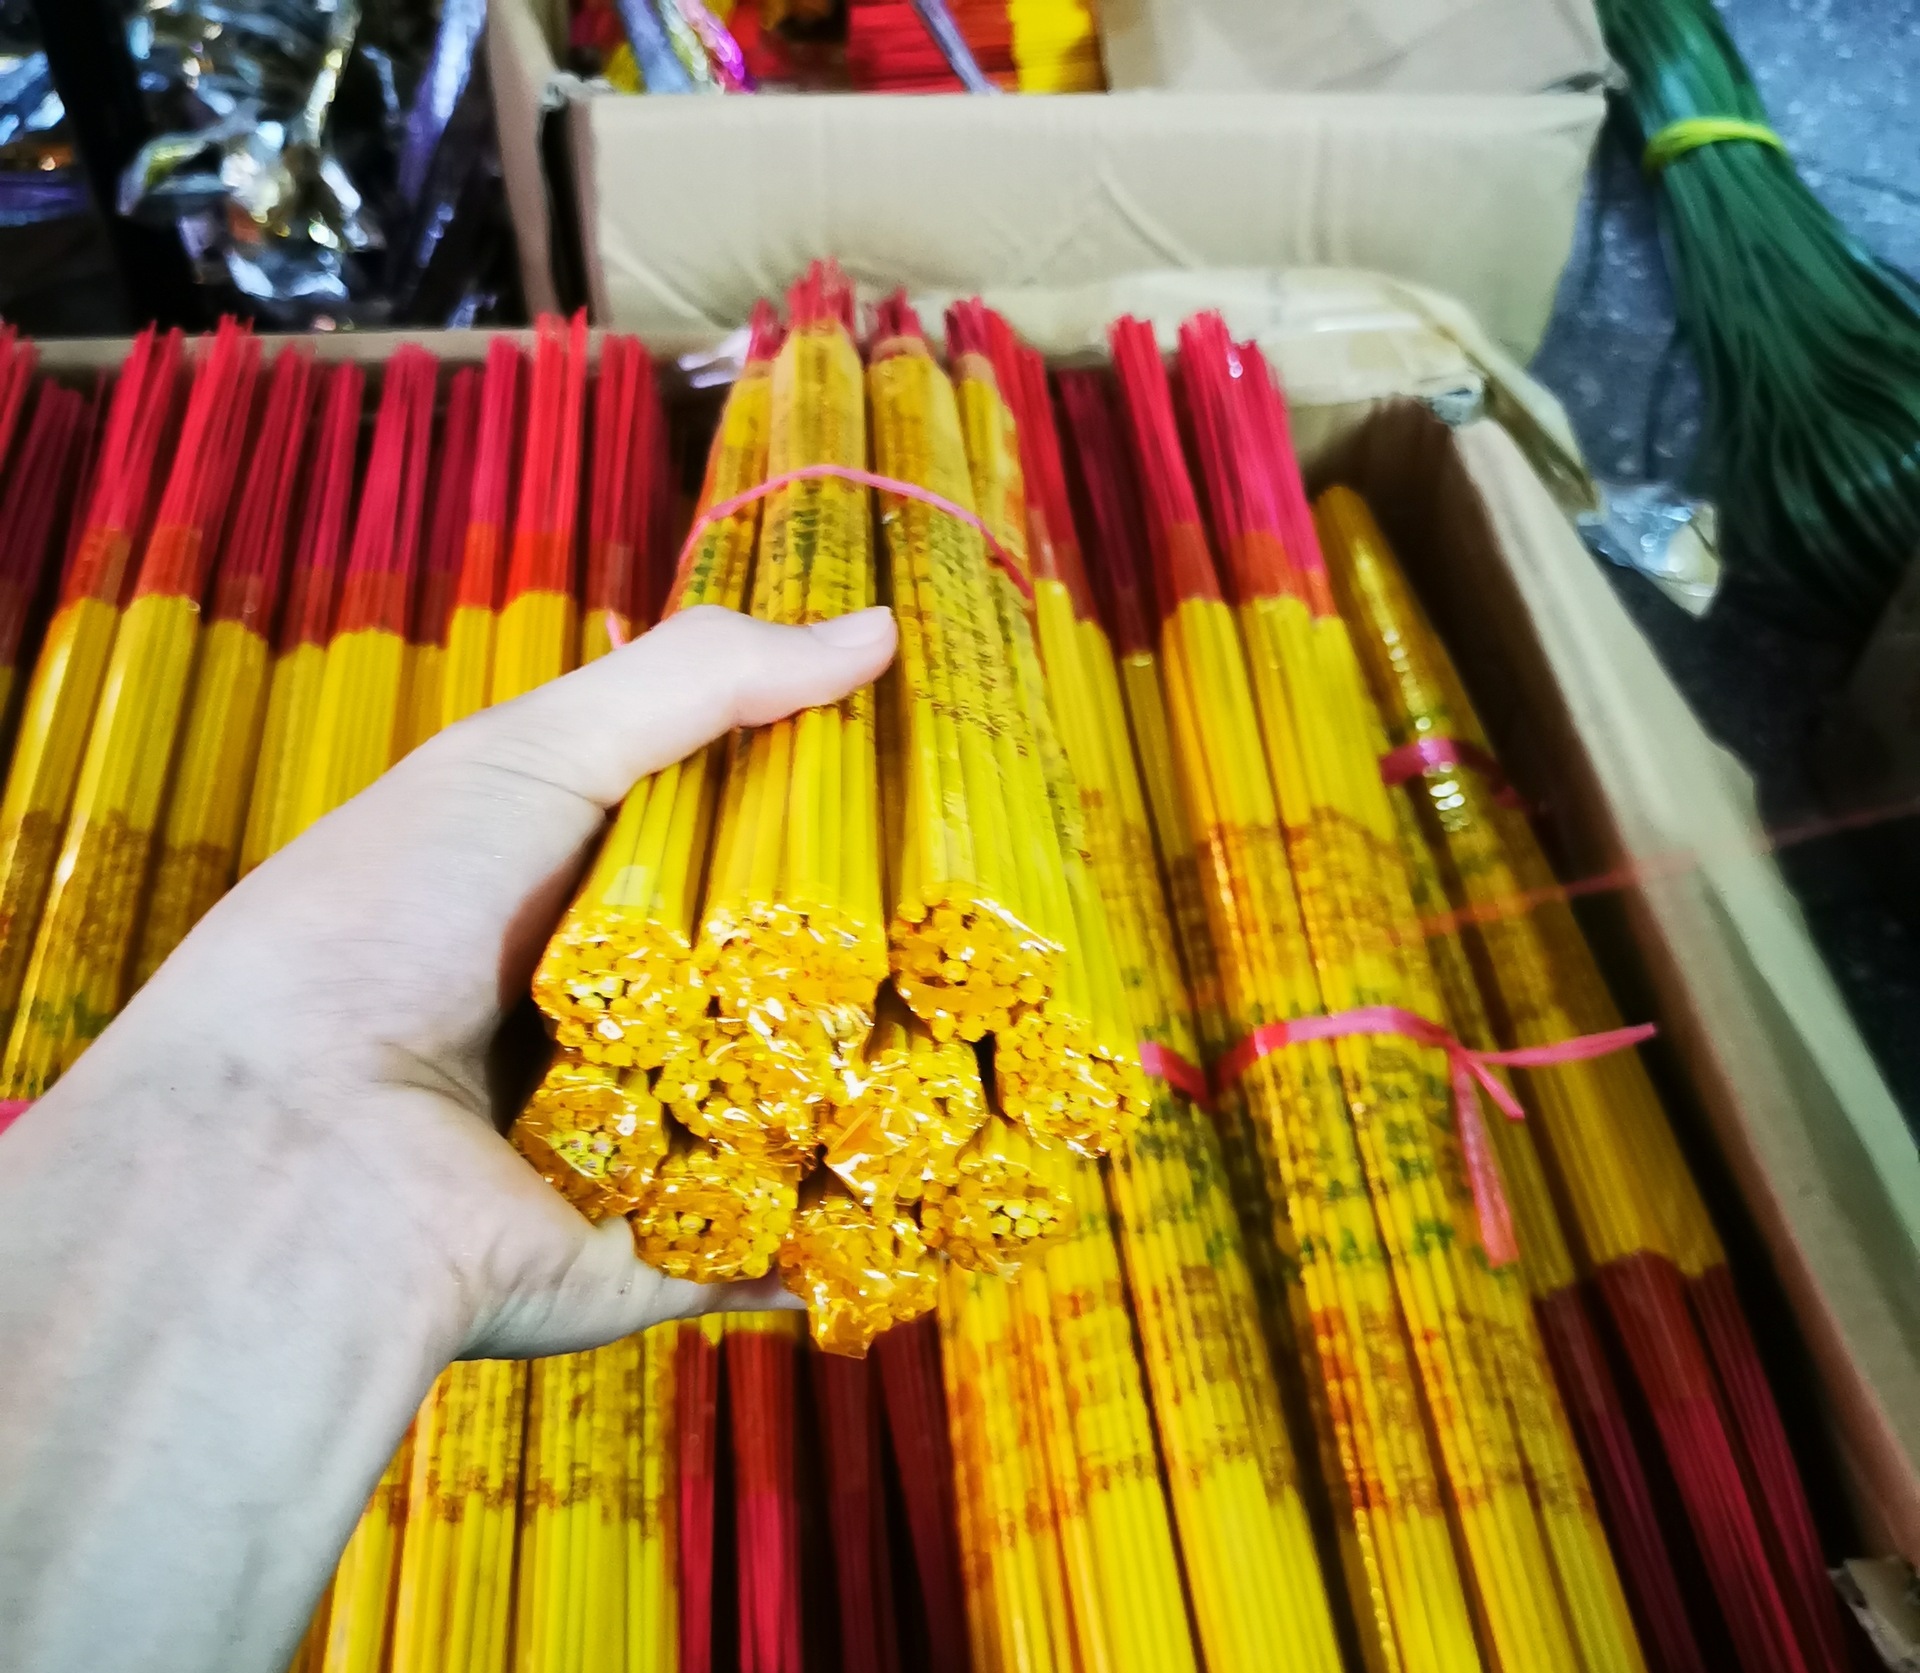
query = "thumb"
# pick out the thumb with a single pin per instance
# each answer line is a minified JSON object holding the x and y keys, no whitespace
{"x":607,"y":1293}
{"x":699,"y":674}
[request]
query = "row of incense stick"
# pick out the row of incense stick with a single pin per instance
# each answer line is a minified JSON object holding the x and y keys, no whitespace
{"x":1260,"y":1397}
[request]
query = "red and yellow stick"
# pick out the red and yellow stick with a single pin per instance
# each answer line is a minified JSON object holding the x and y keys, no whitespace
{"x":34,"y":514}
{"x":58,"y":713}
{"x":220,"y":740}
{"x":79,"y":965}
{"x":537,"y":639}
{"x":356,"y":727}
{"x":306,"y":624}
{"x":425,"y":701}
{"x":468,"y":676}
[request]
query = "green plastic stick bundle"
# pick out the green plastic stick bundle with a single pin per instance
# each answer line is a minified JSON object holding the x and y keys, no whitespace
{"x":1809,"y":347}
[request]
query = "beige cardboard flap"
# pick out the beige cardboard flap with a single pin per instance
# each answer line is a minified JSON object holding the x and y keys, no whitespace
{"x":698,"y":207}
{"x":1403,"y":46}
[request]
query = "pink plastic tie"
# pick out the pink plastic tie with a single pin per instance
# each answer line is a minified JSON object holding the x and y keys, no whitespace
{"x":11,"y":1109}
{"x":863,"y":479}
{"x":1180,"y":1073}
{"x":1425,"y":754}
{"x":1471,"y":1072}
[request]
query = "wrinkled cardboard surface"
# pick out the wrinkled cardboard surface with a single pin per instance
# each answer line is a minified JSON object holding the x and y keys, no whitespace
{"x":698,"y":206}
{"x":1401,"y":46}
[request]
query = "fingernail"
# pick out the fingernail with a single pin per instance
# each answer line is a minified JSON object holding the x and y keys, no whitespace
{"x":856,"y":632}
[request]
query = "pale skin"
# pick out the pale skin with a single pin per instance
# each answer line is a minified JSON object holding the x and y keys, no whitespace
{"x":246,"y":1231}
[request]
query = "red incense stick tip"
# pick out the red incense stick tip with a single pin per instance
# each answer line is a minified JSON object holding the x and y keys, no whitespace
{"x":1183,"y":566}
{"x":823,"y":296}
{"x":895,"y":317}
{"x":30,"y":504}
{"x":447,"y":523}
{"x":314,"y":592}
{"x":614,"y":483}
{"x":1118,"y":564}
{"x":32,"y":510}
{"x":1261,"y":518}
{"x":765,"y":333}
{"x":248,"y":584}
{"x":1003,"y":349}
{"x":1053,"y":533}
{"x":649,"y":486}
{"x":386,"y":539}
{"x":126,"y":466}
{"x":206,"y":459}
{"x":542,"y":556}
{"x":1298,"y":532}
{"x":501,"y":390}
{"x":92,"y":436}
{"x":18,"y":357}
{"x":969,"y":329}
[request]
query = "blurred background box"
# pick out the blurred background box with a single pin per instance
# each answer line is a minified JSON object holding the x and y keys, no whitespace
{"x":1397,"y":46}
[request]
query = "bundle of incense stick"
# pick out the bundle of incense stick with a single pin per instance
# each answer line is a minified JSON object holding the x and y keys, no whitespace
{"x":84,"y":941}
{"x":57,"y":716}
{"x":537,"y":638}
{"x":1251,"y":1567}
{"x":358,"y":730}
{"x":424,"y":703}
{"x":468,"y":674}
{"x":1368,"y":951}
{"x":206,"y":808}
{"x":718,"y":1038}
{"x":42,"y":480}
{"x":306,"y":621}
{"x":1406,"y":1282}
{"x":1083,"y":1388}
{"x":625,"y":493}
{"x":1636,"y":1219}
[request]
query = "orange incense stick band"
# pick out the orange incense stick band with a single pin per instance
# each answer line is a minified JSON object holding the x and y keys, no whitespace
{"x":1015,"y":572}
{"x":1410,"y":760}
{"x":1471,"y":1072}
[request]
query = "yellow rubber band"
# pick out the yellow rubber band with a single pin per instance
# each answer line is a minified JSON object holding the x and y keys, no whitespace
{"x":1676,"y":139}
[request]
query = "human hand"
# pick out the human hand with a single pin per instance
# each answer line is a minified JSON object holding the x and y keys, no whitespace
{"x":367,"y":970}
{"x":245,"y":1231}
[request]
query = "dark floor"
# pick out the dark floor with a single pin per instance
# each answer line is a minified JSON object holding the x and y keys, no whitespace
{"x":1841,"y":79}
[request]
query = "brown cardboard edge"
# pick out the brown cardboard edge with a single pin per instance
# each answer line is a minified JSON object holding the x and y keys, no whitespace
{"x":1416,"y":475}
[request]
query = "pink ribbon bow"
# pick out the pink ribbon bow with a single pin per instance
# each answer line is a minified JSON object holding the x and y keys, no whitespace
{"x":1470,"y":1071}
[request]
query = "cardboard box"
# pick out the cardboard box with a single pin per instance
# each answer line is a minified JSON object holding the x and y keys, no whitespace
{"x":1756,"y":1044}
{"x":687,"y":208}
{"x":1414,"y":46}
